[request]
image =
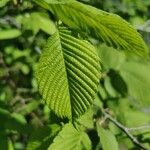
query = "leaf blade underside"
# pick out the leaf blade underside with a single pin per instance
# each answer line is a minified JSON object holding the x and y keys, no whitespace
{"x":108,"y":27}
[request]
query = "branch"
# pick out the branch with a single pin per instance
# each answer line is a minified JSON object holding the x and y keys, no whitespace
{"x":139,"y":128}
{"x":125,"y":130}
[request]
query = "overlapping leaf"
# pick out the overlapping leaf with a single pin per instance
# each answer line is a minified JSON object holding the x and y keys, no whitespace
{"x":137,"y":77}
{"x":107,"y":139}
{"x":36,"y":21}
{"x":68,"y":74}
{"x":47,"y":135}
{"x":110,"y":28}
{"x":71,"y":139}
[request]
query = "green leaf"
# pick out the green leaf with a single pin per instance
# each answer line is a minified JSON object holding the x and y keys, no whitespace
{"x":71,"y":139}
{"x":28,"y":108}
{"x":14,"y":121}
{"x":9,"y":34}
{"x":107,"y":139}
{"x":45,"y":23}
{"x":137,"y":77}
{"x":58,"y":1}
{"x":46,"y":133}
{"x":36,"y":21}
{"x":87,"y":119}
{"x":5,"y":142}
{"x":110,"y":58}
{"x":68,"y":74}
{"x":3,"y":3}
{"x":10,"y":145}
{"x":130,"y":116}
{"x":109,"y":88}
{"x":117,"y":82}
{"x":110,"y":28}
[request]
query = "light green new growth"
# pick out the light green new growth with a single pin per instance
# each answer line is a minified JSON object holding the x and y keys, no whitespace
{"x":68,"y":74}
{"x":9,"y":34}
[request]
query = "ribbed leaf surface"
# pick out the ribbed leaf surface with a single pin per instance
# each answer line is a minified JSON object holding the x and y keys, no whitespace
{"x":110,"y":28}
{"x":71,"y":139}
{"x":68,"y":74}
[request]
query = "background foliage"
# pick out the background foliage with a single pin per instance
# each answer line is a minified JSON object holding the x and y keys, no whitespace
{"x":123,"y":89}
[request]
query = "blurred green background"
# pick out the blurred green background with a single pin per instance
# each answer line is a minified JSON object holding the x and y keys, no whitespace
{"x":124,"y":87}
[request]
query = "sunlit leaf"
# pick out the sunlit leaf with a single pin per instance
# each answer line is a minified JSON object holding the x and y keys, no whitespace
{"x":71,"y":139}
{"x":110,"y":28}
{"x":9,"y":34}
{"x":68,"y":74}
{"x":107,"y":139}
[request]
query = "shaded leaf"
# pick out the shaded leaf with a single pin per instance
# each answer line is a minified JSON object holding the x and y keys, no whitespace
{"x":117,"y":82}
{"x":46,"y":133}
{"x":28,"y":108}
{"x":109,"y":88}
{"x":3,"y":141}
{"x":14,"y":121}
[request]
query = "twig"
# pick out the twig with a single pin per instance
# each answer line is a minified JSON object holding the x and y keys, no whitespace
{"x":125,"y":130}
{"x":10,"y":20}
{"x":139,"y":128}
{"x":40,"y":123}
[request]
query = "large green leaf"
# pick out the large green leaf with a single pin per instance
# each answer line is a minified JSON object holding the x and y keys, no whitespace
{"x":71,"y":139}
{"x":110,"y":28}
{"x":68,"y":74}
{"x":107,"y":139}
{"x":137,"y":77}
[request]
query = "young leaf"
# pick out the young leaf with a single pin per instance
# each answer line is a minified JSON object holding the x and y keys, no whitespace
{"x":36,"y":21}
{"x":110,"y":28}
{"x":71,"y":139}
{"x":68,"y":74}
{"x":107,"y":139}
{"x":9,"y":34}
{"x":87,"y":119}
